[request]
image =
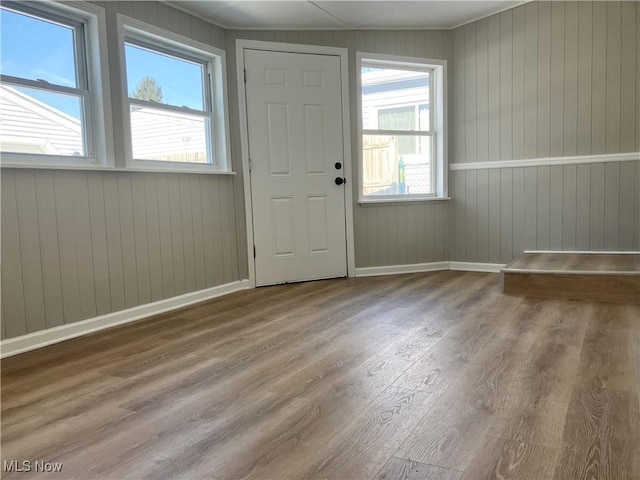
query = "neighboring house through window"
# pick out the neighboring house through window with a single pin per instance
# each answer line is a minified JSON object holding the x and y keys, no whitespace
{"x":175,"y":100}
{"x":51,"y":95}
{"x":401,"y":127}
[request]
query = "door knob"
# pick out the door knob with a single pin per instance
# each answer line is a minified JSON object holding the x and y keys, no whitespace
{"x":339,"y":180}
{"x":338,"y":165}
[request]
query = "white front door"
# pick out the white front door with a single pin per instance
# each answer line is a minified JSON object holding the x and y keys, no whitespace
{"x":294,"y":117}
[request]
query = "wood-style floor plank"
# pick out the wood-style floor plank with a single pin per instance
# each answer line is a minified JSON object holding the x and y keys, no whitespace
{"x":417,"y":376}
{"x":364,"y":446}
{"x":536,"y":402}
{"x":601,"y":436}
{"x":499,"y":459}
{"x":340,"y":402}
{"x":437,"y":368}
{"x":607,"y":361}
{"x":401,"y":469}
{"x":451,"y":432}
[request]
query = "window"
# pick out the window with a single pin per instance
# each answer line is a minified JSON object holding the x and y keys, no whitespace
{"x":401,"y":125}
{"x":50,"y":112}
{"x":174,"y":100}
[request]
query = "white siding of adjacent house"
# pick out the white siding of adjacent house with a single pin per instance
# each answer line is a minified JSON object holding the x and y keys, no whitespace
{"x":168,"y":136}
{"x":25,"y":121}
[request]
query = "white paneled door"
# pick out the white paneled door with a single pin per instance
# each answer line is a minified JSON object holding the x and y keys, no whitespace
{"x":294,"y":112}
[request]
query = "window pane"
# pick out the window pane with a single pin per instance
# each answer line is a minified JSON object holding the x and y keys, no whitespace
{"x":398,"y":96}
{"x":399,"y":118}
{"x":35,"y":121}
{"x":158,"y":77}
{"x":36,"y":49}
{"x":387,"y":171}
{"x":164,"y":135}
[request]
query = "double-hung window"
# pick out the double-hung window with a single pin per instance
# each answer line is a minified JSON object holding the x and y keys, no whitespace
{"x":401,"y":126}
{"x":50,"y":113}
{"x":174,"y":101}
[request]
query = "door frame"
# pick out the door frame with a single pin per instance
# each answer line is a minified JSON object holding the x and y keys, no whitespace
{"x":342,"y":53}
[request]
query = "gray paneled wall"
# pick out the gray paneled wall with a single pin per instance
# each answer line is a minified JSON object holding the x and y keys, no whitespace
{"x":76,"y":244}
{"x":164,"y":16}
{"x":80,"y":244}
{"x":498,"y":213}
{"x":384,"y":234}
{"x":547,"y":79}
{"x":401,"y":234}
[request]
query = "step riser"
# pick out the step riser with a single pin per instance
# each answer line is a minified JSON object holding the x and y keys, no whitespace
{"x":605,"y":288}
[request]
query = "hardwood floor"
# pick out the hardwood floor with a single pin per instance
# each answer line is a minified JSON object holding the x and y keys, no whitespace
{"x":419,"y":376}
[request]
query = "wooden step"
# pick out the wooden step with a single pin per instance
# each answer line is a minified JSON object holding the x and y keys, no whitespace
{"x":600,"y":276}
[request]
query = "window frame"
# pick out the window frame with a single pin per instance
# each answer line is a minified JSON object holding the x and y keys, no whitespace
{"x":437,"y":124}
{"x":141,"y":34}
{"x":90,"y":37}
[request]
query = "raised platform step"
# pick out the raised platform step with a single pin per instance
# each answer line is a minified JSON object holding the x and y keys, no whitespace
{"x":600,"y":276}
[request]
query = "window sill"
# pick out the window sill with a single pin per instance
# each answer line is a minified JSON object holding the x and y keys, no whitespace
{"x":100,"y":168}
{"x":389,"y":201}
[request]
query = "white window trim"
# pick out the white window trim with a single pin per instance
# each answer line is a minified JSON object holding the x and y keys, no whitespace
{"x":128,"y":26}
{"x":98,"y":117}
{"x":438,"y":113}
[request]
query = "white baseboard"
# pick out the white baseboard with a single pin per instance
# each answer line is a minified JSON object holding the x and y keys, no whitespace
{"x":398,"y":269}
{"x":32,"y":341}
{"x":429,"y":267}
{"x":585,"y":252}
{"x":476,"y":267}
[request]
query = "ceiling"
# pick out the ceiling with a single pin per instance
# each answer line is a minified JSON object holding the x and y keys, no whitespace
{"x":336,"y":15}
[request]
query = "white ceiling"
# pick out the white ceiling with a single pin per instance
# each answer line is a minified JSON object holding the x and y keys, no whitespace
{"x":333,"y":15}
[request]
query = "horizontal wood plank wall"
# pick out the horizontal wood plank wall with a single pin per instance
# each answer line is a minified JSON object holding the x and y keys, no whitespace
{"x":384,"y":234}
{"x":500,"y":212}
{"x":79,"y":244}
{"x":546,"y":79}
